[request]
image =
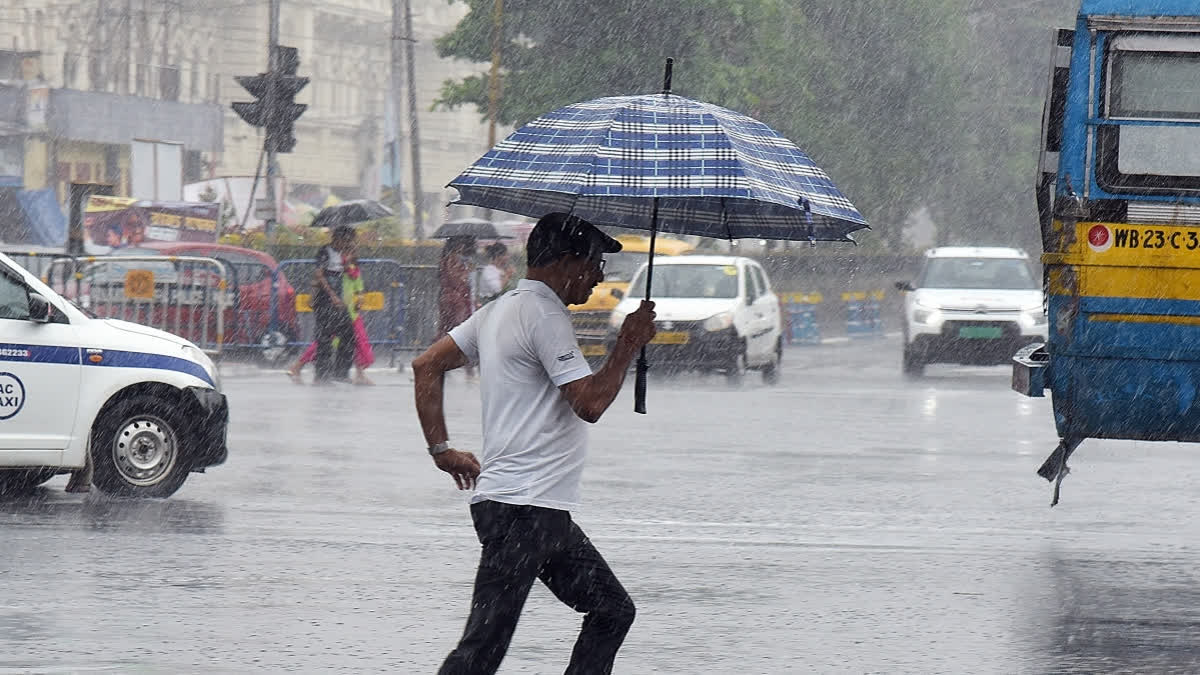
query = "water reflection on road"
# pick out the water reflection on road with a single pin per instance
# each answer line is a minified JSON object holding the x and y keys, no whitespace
{"x":848,"y":520}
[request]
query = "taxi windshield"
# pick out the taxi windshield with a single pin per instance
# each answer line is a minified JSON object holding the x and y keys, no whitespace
{"x":689,"y":281}
{"x":621,"y":266}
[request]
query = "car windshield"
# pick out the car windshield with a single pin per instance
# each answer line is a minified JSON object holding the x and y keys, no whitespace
{"x":689,"y":281}
{"x":982,"y":273}
{"x":621,"y":266}
{"x":109,"y":270}
{"x":86,"y":312}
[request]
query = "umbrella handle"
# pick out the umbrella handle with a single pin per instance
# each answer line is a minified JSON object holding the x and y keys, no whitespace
{"x":639,"y":384}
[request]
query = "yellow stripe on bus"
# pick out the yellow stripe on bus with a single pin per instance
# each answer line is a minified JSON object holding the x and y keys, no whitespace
{"x":1163,"y":283}
{"x":1146,"y":318}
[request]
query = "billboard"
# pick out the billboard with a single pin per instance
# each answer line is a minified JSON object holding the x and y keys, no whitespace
{"x":156,"y":170}
{"x":112,"y":223}
{"x":239,"y":195}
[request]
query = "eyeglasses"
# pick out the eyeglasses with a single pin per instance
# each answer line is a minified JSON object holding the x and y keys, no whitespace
{"x":598,"y":261}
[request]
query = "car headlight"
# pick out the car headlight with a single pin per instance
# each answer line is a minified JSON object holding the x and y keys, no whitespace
{"x":718,"y":322}
{"x":921,"y":315}
{"x":197,"y":355}
{"x":1036,"y":314}
{"x":616,"y":319}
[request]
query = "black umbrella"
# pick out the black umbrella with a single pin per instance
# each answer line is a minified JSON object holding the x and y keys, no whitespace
{"x":351,"y":212}
{"x":469,"y":227}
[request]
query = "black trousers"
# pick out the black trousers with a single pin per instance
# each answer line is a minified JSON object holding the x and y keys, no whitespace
{"x":524,"y":543}
{"x":333,"y":321}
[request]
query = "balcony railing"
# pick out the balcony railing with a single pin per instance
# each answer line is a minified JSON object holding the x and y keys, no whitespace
{"x":101,"y":72}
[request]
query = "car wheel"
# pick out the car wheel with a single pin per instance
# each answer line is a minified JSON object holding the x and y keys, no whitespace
{"x":736,"y":371}
{"x":273,"y":348}
{"x":914,"y":362}
{"x":20,"y":481}
{"x":770,"y":372}
{"x":138,"y":448}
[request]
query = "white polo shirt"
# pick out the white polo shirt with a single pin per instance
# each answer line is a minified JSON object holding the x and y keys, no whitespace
{"x":534,"y":444}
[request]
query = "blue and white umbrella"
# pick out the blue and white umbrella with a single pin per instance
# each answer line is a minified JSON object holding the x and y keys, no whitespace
{"x":708,"y":170}
{"x":662,"y":163}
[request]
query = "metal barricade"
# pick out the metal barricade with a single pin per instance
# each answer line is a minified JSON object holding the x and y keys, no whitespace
{"x":191,"y":297}
{"x":863,"y":313}
{"x":385,"y":301}
{"x":36,"y":262}
{"x":799,"y":310}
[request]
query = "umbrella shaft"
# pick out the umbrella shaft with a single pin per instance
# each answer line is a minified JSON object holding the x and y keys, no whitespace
{"x":653,"y":236}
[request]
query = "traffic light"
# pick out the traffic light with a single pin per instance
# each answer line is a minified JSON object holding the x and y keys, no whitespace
{"x":274,"y":109}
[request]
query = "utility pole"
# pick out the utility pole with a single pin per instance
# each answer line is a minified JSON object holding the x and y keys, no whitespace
{"x":414,"y":137}
{"x":127,"y":52}
{"x":494,"y":73}
{"x":272,"y":66}
{"x":397,"y":100}
{"x":142,"y":69}
{"x":166,"y":41}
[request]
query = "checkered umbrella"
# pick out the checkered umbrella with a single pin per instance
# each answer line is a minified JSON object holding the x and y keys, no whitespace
{"x":663,"y":163}
{"x":709,"y":171}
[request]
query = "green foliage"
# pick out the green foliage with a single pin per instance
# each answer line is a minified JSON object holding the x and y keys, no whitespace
{"x":905,"y":103}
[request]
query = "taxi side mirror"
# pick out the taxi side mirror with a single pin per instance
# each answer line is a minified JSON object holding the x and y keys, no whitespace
{"x":904,"y":286}
{"x":40,"y":309}
{"x":618,"y":293}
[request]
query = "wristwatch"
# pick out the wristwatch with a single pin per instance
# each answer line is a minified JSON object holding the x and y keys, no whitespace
{"x":439,"y":448}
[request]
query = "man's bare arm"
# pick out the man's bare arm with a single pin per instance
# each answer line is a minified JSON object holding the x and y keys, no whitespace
{"x":323,"y":284}
{"x":429,"y":378}
{"x":592,"y":395}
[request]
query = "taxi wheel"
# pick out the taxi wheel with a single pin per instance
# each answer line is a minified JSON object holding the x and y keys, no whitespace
{"x":914,"y":363}
{"x":20,"y":481}
{"x":770,"y":372}
{"x":274,"y":350}
{"x":138,"y":449}
{"x":736,"y":372}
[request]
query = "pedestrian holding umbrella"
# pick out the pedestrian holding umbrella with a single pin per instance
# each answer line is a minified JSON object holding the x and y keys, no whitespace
{"x":477,"y":228}
{"x":350,"y":213}
{"x":661,"y":162}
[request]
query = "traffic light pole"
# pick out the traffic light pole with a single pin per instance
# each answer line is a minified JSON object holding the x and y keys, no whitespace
{"x":274,"y":109}
{"x":272,"y":167}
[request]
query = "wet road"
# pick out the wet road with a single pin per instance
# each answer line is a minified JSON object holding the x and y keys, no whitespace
{"x":844,"y":521}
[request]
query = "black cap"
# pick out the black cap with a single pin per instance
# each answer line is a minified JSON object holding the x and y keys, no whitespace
{"x":558,"y":234}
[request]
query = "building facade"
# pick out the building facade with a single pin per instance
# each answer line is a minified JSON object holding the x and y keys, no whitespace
{"x":81,"y":79}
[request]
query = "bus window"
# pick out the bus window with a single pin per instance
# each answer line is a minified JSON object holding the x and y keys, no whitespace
{"x":1150,"y":77}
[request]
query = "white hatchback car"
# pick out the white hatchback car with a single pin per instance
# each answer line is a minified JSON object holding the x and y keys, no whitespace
{"x":715,"y":313}
{"x":973,"y":305}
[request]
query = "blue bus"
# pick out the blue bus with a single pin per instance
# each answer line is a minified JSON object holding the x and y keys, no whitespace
{"x":1118,"y":197}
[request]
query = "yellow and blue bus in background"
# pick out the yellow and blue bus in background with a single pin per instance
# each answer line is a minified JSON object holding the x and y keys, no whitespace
{"x":1118,"y":196}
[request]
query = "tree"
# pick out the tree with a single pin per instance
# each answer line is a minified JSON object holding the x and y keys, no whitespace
{"x":871,"y":89}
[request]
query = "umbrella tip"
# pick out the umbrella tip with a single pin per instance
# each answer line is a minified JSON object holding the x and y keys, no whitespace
{"x":667,"y":76}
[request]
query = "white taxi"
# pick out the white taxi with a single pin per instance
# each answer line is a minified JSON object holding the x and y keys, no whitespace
{"x":714,"y":313}
{"x":138,"y":406}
